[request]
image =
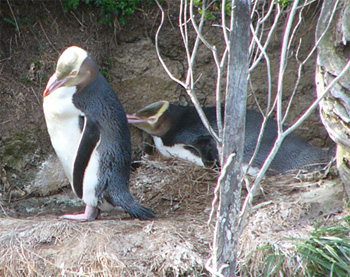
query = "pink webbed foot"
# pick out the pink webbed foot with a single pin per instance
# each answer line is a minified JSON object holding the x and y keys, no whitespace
{"x":91,"y":213}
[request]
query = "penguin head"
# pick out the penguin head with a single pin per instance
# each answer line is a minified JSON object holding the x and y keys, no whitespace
{"x":74,"y":68}
{"x":152,"y":119}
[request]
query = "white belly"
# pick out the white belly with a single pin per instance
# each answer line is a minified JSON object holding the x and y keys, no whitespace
{"x":253,"y":171}
{"x":62,"y":120}
{"x":91,"y":180}
{"x":176,"y":151}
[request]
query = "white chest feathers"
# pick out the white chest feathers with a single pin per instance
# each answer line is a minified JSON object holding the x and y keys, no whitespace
{"x":176,"y":151}
{"x":62,"y":120}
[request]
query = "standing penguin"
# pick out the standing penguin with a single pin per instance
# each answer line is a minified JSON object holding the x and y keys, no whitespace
{"x":89,"y":132}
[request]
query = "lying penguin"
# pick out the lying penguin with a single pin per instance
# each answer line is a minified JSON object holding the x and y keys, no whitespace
{"x":89,"y":132}
{"x":178,"y":131}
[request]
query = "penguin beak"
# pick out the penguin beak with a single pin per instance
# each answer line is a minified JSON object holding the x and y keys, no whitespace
{"x":53,"y":84}
{"x":133,"y":118}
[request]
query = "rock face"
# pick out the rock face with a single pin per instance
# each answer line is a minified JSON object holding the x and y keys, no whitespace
{"x":333,"y":55}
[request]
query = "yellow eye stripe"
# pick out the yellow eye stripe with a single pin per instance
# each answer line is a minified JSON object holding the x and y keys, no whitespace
{"x":164,"y":107}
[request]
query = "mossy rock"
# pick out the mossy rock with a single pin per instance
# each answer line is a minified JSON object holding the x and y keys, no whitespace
{"x":17,"y":151}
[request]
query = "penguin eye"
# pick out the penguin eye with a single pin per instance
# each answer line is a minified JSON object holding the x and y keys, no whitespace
{"x":74,"y":73}
{"x":152,"y":119}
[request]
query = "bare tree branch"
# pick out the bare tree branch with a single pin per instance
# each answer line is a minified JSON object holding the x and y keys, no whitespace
{"x":188,"y":89}
{"x":301,"y":64}
{"x":283,"y":64}
{"x":262,"y":32}
{"x":278,"y":143}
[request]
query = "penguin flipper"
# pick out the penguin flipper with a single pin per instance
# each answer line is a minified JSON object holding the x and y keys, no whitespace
{"x":90,"y":137}
{"x":205,"y":148}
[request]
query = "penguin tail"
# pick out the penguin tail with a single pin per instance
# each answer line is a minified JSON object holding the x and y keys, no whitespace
{"x":129,"y":204}
{"x":137,"y":211}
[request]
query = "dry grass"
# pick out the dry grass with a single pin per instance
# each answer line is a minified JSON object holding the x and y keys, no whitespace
{"x":177,"y":243}
{"x":291,"y":205}
{"x":103,"y":248}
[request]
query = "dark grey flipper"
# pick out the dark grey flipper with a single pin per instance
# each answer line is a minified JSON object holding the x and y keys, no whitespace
{"x":205,"y":148}
{"x":88,"y":142}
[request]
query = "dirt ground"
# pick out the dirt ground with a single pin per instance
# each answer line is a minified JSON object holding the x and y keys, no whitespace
{"x":34,"y":193}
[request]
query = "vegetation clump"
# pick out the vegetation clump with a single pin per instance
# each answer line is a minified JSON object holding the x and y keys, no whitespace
{"x":327,"y":251}
{"x":109,"y":8}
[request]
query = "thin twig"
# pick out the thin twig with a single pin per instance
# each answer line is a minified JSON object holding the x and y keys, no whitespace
{"x":189,"y":90}
{"x":283,"y":64}
{"x":268,"y":67}
{"x":14,"y":18}
{"x":269,"y":37}
{"x":312,"y":51}
{"x":219,"y":67}
{"x":80,"y":23}
{"x":48,"y":38}
{"x":314,"y":105}
{"x":36,"y":96}
{"x":223,"y":22}
{"x":279,"y":141}
{"x":3,"y":210}
{"x":280,"y":137}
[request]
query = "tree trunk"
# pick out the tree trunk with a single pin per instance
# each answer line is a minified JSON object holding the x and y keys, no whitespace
{"x":225,"y":241}
{"x":333,"y":28}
